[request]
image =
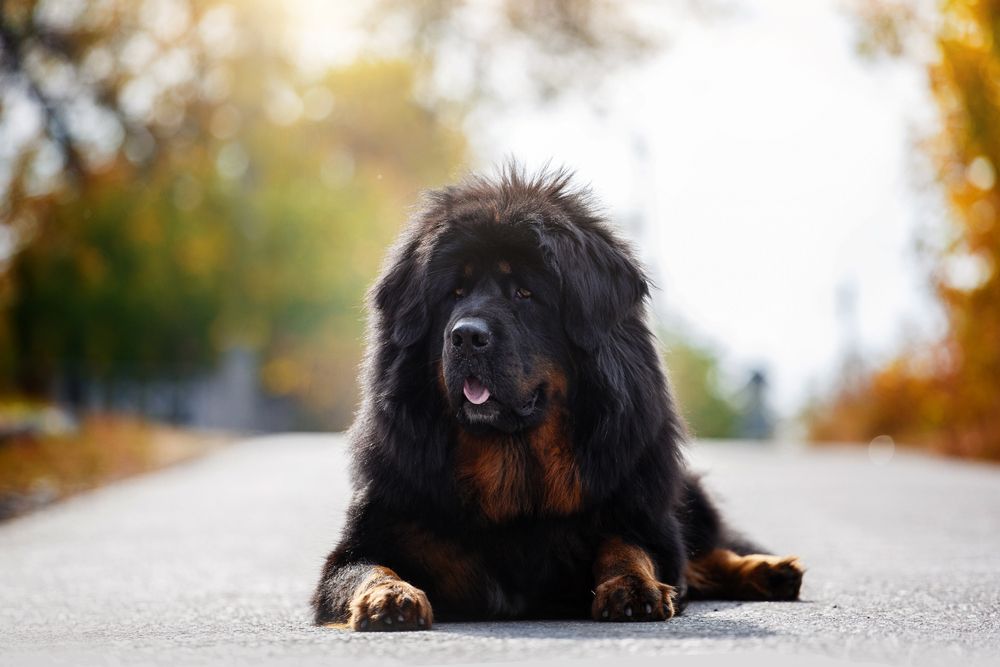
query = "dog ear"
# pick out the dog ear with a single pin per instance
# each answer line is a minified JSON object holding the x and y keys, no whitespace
{"x":602,"y":282}
{"x":399,"y":296}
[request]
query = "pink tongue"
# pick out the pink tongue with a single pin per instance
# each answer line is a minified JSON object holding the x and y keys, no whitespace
{"x":475,"y":391}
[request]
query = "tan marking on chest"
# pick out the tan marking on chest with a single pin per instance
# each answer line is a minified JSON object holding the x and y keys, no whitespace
{"x":615,"y":557}
{"x":494,"y":470}
{"x":509,"y":477}
{"x":562,"y":492}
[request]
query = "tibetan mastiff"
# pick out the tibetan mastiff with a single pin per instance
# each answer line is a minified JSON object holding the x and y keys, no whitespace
{"x":517,"y":452}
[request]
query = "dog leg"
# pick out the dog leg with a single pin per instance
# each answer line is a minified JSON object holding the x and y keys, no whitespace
{"x":626,"y":585}
{"x":370,"y":598}
{"x":722,"y":574}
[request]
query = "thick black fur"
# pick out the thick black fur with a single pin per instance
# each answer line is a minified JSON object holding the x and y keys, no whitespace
{"x":585,"y":317}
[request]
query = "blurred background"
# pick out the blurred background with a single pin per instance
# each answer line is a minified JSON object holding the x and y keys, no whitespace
{"x":195,"y":194}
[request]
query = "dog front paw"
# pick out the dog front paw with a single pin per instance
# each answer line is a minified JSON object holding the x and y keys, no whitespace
{"x":391,"y":606}
{"x":633,"y":598}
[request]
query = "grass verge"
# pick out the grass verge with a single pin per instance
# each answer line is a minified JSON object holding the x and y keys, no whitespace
{"x":38,"y":469}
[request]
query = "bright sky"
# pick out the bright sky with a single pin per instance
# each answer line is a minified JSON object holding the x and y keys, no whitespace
{"x":778,"y":172}
{"x":764,"y":169}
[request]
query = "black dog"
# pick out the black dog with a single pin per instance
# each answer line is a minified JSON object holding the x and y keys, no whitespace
{"x":517,"y":451}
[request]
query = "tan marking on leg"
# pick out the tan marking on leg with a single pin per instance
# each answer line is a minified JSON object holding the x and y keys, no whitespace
{"x":725,"y":575}
{"x":616,"y":557}
{"x":627,"y":588}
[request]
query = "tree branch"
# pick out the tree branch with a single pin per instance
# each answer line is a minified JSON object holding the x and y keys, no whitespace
{"x":12,"y":46}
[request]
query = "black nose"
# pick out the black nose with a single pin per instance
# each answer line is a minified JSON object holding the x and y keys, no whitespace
{"x":471,"y":334}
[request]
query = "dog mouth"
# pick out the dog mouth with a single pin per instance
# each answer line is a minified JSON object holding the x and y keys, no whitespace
{"x":477,"y":394}
{"x":475,"y":391}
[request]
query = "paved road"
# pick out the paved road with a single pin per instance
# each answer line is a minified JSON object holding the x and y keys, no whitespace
{"x":213,"y":562}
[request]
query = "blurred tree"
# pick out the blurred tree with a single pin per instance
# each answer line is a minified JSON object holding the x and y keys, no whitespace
{"x":107,"y":75}
{"x":470,"y":51}
{"x":233,"y":201}
{"x":945,"y":395}
{"x":173,"y":183}
{"x":694,"y":376}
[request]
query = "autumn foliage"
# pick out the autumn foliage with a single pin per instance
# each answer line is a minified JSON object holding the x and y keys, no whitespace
{"x":946,"y":395}
{"x":219,"y":195}
{"x":178,"y":181}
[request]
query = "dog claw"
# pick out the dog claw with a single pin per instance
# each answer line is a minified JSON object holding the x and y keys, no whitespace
{"x":632,"y":598}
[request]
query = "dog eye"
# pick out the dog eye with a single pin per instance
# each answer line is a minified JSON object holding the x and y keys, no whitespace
{"x":522,"y":293}
{"x":459,"y":292}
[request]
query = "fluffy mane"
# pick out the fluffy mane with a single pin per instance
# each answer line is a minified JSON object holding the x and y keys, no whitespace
{"x":627,"y":406}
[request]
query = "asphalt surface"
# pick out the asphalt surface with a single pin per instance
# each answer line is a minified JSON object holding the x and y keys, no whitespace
{"x":213,"y":562}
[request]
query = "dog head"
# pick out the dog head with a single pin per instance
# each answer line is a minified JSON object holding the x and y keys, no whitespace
{"x":507,"y":285}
